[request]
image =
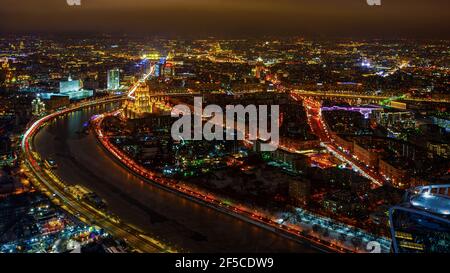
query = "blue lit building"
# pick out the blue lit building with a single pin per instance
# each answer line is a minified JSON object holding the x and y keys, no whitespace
{"x":444,"y":123}
{"x":69,"y":86}
{"x":422,"y":223}
{"x":72,"y":89}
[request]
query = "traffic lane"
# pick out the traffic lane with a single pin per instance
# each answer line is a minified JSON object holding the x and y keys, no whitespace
{"x":164,"y":215}
{"x":89,"y":213}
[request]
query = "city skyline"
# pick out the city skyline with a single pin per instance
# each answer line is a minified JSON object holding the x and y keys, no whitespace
{"x":360,"y":123}
{"x":224,"y":126}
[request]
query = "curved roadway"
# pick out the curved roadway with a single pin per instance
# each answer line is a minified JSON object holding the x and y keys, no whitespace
{"x":179,"y":222}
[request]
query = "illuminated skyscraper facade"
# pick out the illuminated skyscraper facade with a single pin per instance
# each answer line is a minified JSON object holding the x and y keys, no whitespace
{"x":114,"y":79}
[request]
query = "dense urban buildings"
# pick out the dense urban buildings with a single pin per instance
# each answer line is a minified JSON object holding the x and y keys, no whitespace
{"x":360,"y":123}
{"x":90,"y":161}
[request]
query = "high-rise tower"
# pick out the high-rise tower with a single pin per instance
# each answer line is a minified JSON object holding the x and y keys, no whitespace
{"x":114,"y":79}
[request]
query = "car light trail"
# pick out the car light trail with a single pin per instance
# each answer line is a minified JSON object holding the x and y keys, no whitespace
{"x":240,"y":211}
{"x":48,"y":183}
{"x":136,"y":86}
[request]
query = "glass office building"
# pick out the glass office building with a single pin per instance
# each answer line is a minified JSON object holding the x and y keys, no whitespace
{"x":114,"y":79}
{"x":422,"y":223}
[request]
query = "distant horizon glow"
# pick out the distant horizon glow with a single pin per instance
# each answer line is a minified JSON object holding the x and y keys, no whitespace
{"x":413,"y":18}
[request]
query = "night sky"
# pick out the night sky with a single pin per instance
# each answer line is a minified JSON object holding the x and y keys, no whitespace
{"x":341,"y":18}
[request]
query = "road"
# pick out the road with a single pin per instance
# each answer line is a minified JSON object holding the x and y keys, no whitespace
{"x":317,"y":124}
{"x":152,"y":219}
{"x":208,"y":198}
{"x":176,"y":221}
{"x":337,"y":95}
{"x":161,"y":216}
{"x":51,"y":185}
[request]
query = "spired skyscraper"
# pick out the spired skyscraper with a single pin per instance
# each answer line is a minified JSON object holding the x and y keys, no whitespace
{"x":114,"y":79}
{"x":146,"y":102}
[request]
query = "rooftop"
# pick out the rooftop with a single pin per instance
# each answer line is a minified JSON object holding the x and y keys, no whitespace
{"x":436,"y":204}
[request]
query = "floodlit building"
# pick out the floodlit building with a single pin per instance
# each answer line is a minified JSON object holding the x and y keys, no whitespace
{"x":422,"y":223}
{"x":439,"y":149}
{"x":396,"y":120}
{"x":37,"y":106}
{"x":71,"y":88}
{"x":114,"y":79}
{"x":74,"y":89}
{"x":145,"y":102}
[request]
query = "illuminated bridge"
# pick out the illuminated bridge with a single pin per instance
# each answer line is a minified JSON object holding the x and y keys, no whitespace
{"x":355,"y":98}
{"x":351,"y":98}
{"x":365,"y":111}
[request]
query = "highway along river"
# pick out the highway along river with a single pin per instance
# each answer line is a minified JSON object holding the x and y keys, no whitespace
{"x":179,"y":222}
